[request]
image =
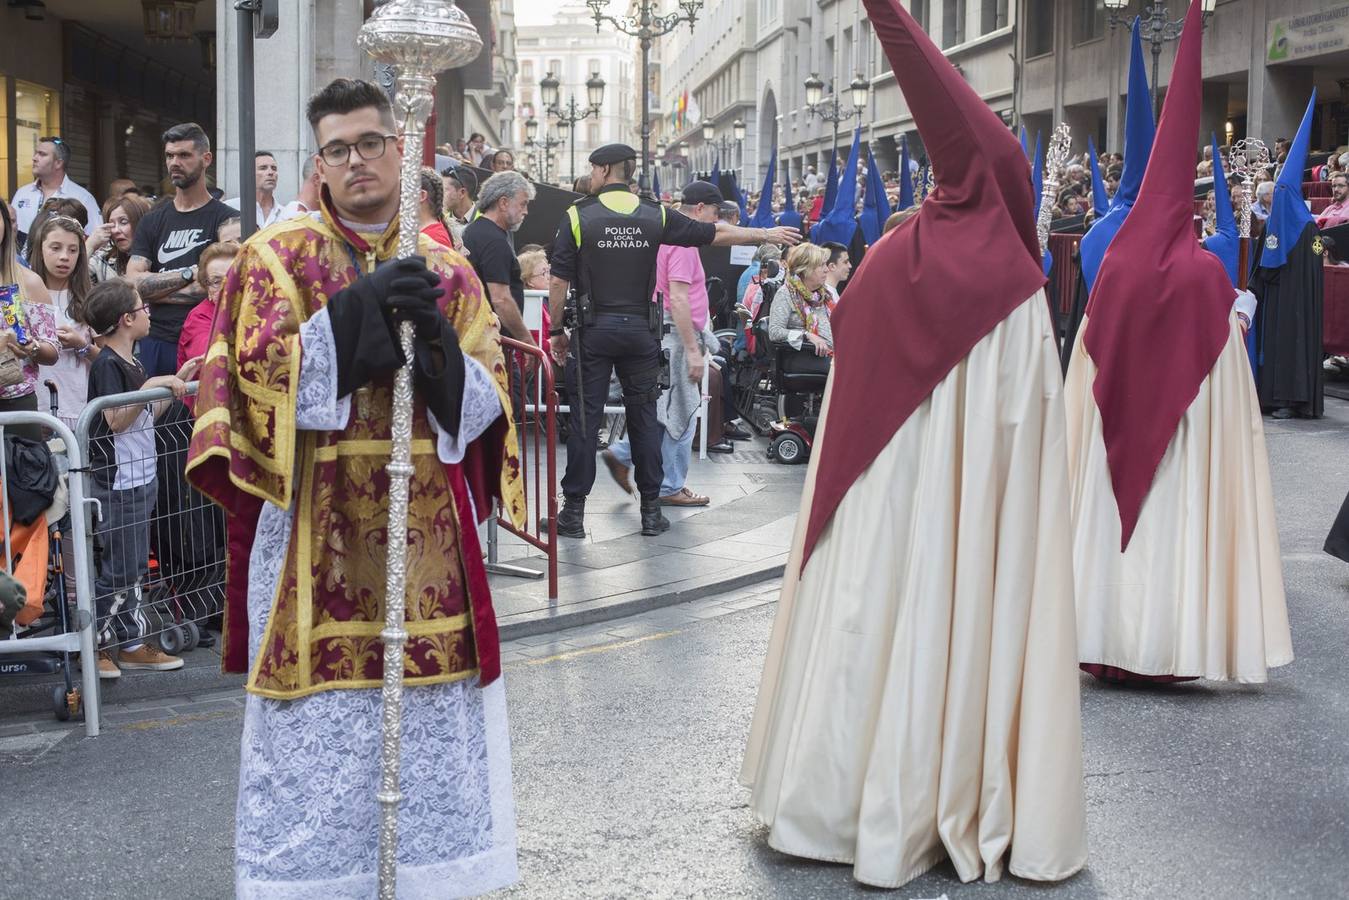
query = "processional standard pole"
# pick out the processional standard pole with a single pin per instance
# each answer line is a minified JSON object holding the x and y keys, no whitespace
{"x":418,"y":38}
{"x":1248,"y":157}
{"x":1055,"y":159}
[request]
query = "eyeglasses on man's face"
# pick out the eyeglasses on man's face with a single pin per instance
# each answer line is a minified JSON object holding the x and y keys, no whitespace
{"x":369,"y":146}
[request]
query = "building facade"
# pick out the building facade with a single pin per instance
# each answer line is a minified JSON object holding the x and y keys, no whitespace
{"x":1261,"y":61}
{"x":750,"y":61}
{"x":572,"y":50}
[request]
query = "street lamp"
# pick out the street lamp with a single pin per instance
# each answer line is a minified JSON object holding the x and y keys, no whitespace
{"x":725,"y":143}
{"x":1157,"y":26}
{"x":832,"y":110}
{"x":567,"y":116}
{"x":646,"y":24}
{"x":545,"y":146}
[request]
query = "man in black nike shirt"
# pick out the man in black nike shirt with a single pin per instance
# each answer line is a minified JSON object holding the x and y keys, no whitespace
{"x":168,"y":240}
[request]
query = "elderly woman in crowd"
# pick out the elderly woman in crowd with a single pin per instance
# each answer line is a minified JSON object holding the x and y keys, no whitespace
{"x":212,"y":267}
{"x":799,"y":316}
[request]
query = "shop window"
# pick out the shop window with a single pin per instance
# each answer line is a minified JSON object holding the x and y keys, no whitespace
{"x":36,"y":113}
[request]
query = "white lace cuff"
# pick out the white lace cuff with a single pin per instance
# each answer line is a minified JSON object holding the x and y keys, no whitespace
{"x":317,"y":406}
{"x":481,"y":408}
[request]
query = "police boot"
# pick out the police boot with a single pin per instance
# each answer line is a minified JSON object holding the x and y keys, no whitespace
{"x":571,"y":521}
{"x":653,"y":521}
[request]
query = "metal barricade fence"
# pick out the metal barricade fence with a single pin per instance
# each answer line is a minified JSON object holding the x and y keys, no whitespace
{"x":531,"y":376}
{"x":56,"y":630}
{"x":160,"y":544}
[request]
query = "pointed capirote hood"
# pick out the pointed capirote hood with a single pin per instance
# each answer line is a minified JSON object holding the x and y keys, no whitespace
{"x":1100,"y":200}
{"x":876,"y":205}
{"x":763,"y":213}
{"x":1159,"y":314}
{"x":830,"y":184}
{"x":840,"y":223}
{"x":715,"y":177}
{"x":915,"y":308}
{"x":905,"y":176}
{"x":1025,"y":147}
{"x":1139,"y":131}
{"x":1225,"y":242}
{"x":655,"y":184}
{"x":1288,"y":215}
{"x":789,"y":216}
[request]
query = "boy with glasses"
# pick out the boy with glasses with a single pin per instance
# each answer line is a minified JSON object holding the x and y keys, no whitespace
{"x":122,"y":466}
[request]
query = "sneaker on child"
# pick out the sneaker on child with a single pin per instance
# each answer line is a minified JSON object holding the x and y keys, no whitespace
{"x":106,"y":667}
{"x":148,"y":657}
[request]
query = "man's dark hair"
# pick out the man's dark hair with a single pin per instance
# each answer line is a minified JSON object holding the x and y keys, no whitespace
{"x":346,"y":95}
{"x":187,"y":131}
{"x":836,"y":250}
{"x":62,"y":149}
{"x":260,"y":153}
{"x":1341,"y":176}
{"x":476,"y":136}
{"x":465,"y":179}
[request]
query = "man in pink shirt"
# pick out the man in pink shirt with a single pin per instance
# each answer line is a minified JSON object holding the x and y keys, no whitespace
{"x":682,"y":284}
{"x":1337,"y":213}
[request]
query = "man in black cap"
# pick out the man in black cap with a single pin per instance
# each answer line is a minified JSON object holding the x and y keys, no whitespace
{"x":607,"y":245}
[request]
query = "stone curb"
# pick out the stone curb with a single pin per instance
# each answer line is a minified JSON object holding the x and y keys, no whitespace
{"x":21,"y":698}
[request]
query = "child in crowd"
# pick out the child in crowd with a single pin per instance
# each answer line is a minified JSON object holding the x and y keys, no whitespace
{"x":122,"y":462}
{"x":61,"y":261}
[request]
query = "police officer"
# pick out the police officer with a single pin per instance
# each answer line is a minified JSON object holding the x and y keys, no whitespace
{"x":607,"y":245}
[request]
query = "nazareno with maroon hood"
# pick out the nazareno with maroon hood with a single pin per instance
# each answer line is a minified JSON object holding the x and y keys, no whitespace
{"x":920,"y":695}
{"x":1175,"y":549}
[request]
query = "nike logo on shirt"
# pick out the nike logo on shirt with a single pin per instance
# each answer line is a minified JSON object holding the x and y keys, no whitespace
{"x":179,"y":243}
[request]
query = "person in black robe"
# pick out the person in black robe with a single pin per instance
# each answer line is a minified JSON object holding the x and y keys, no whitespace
{"x":1289,"y":281}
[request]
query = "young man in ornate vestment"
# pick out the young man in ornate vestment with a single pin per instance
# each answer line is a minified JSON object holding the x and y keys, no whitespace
{"x":293,"y":433}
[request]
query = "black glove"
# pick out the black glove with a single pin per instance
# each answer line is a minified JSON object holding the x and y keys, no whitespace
{"x":363,"y":328}
{"x":439,"y":375}
{"x":419,"y":309}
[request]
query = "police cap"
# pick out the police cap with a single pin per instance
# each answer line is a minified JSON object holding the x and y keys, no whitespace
{"x":696,"y":192}
{"x":612,"y":153}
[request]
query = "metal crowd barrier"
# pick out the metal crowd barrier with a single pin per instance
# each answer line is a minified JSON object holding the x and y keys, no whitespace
{"x":536,"y":424}
{"x":161,"y":543}
{"x":73,"y":634}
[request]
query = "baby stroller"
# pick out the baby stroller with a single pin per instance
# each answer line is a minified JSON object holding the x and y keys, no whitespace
{"x":35,"y":502}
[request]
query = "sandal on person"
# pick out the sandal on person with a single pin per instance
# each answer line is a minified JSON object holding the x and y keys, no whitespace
{"x":685,"y":497}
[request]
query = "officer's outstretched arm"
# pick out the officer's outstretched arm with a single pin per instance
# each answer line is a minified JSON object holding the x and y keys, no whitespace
{"x":728,"y":235}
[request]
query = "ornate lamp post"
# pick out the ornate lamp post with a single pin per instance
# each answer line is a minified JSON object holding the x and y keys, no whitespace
{"x":545,"y":146}
{"x":684,"y":157}
{"x":832,"y":110}
{"x":567,"y":116}
{"x":1157,"y":27}
{"x":725,"y":143}
{"x":646,"y":24}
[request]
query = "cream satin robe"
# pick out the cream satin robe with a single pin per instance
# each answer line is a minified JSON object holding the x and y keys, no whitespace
{"x":1199,"y":592}
{"x":920,"y":694}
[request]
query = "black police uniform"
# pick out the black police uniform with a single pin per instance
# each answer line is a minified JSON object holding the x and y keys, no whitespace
{"x":607,"y":246}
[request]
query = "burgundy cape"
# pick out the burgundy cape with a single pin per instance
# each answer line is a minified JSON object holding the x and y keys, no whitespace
{"x":916,"y":306}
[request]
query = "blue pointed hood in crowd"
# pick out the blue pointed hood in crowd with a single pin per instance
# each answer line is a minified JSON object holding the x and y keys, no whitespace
{"x":1225,"y":242}
{"x":830,"y":184}
{"x":1288,"y":213}
{"x":715,"y":177}
{"x":876,"y":205}
{"x":789,"y":216}
{"x":840,"y":223}
{"x":905,"y":176}
{"x":1139,"y":131}
{"x":655,"y":183}
{"x":1025,"y":147}
{"x":763,"y":213}
{"x":1100,"y":200}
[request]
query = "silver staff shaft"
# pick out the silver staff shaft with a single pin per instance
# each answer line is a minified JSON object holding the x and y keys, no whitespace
{"x":418,"y":38}
{"x":1055,"y":158}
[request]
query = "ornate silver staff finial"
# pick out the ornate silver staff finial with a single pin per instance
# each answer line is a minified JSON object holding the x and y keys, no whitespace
{"x":418,"y":38}
{"x":1056,"y":157}
{"x":1247,"y":158}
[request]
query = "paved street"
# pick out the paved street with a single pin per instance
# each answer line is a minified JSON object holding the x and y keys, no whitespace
{"x":628,"y":734}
